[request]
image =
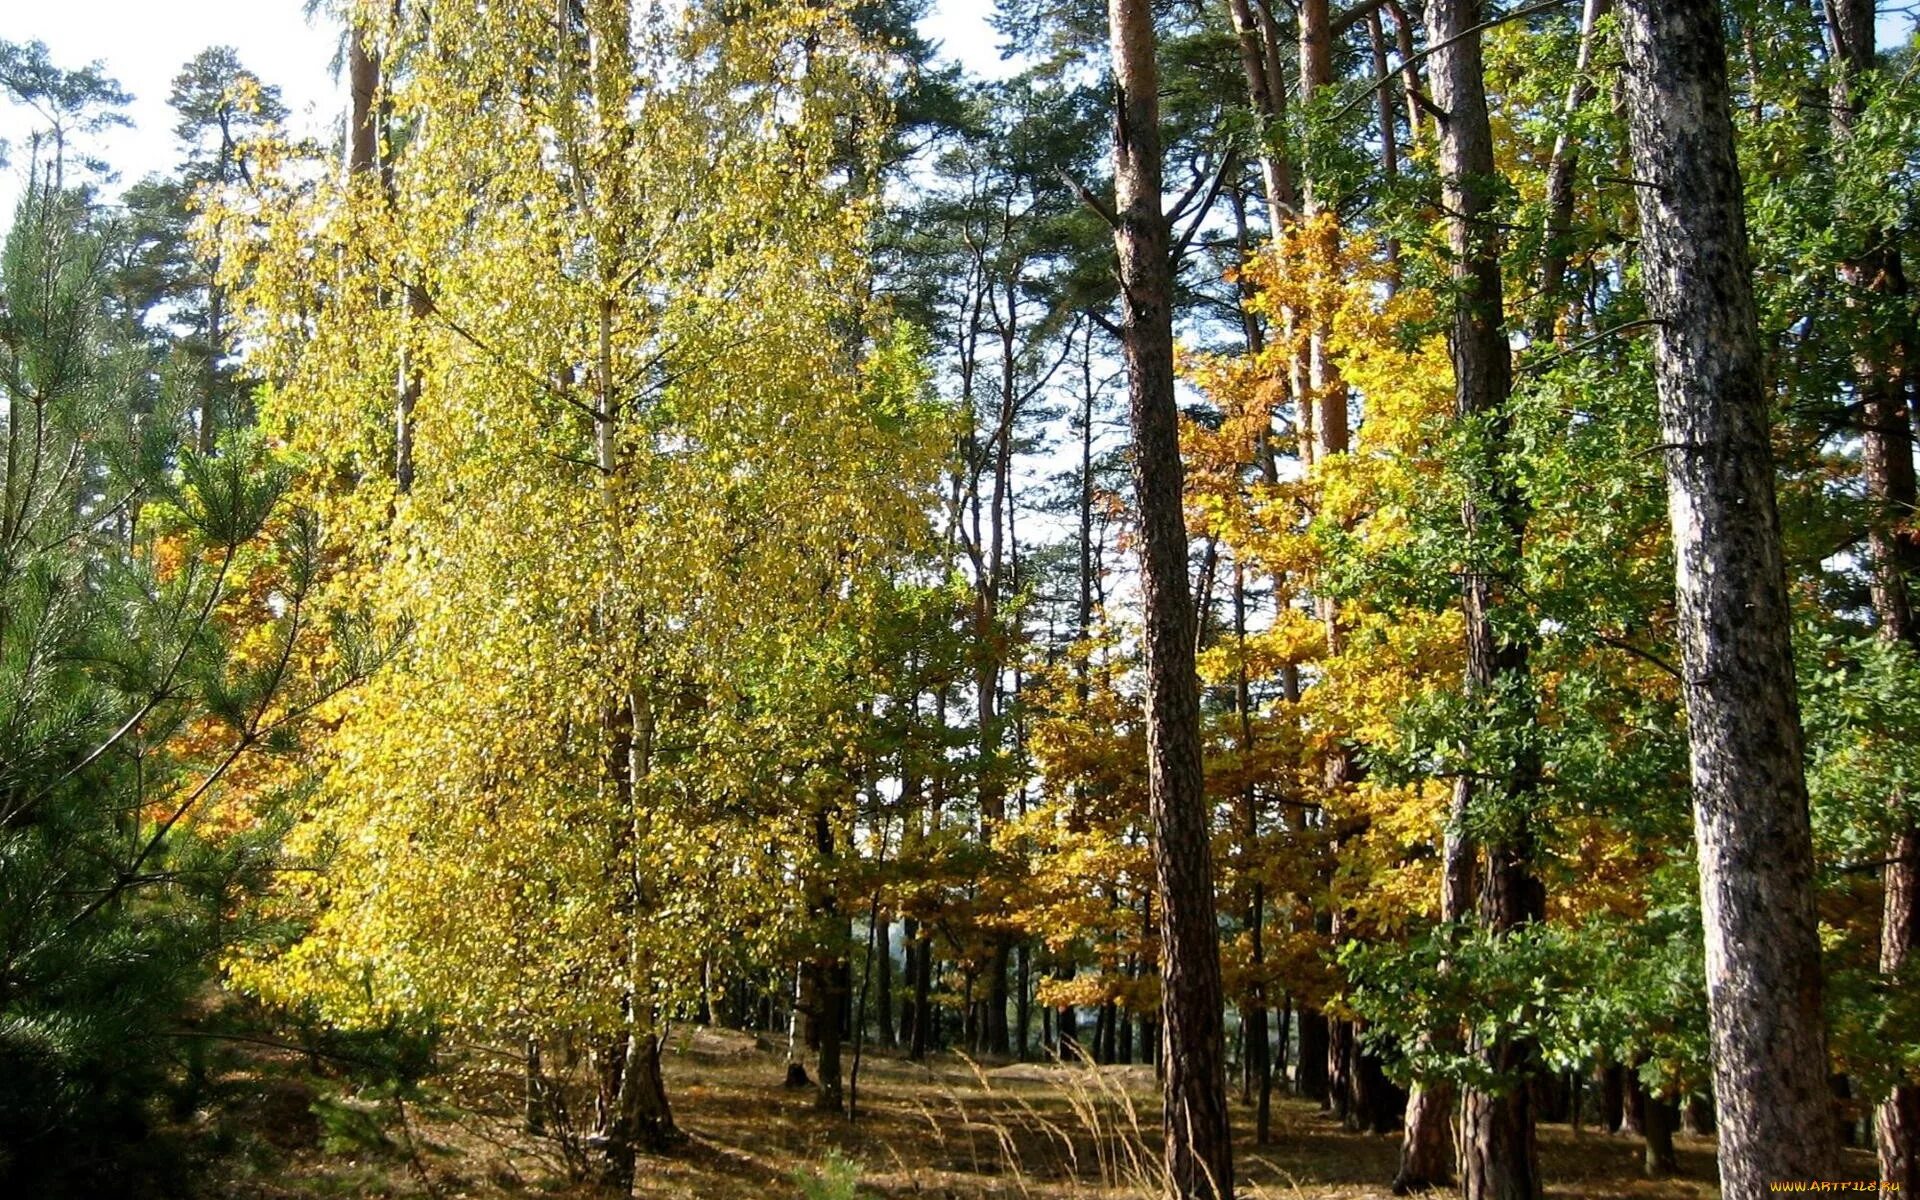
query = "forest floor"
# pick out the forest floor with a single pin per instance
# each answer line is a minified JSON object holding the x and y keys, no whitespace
{"x":274,"y":1129}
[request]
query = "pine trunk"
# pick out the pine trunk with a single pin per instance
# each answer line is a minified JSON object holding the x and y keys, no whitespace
{"x":1499,"y":1160}
{"x":1750,"y":799}
{"x":1199,"y":1151}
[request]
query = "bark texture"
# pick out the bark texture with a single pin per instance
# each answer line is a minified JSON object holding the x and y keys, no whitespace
{"x":1199,"y":1152}
{"x":363,"y":83}
{"x":1498,"y":1158}
{"x":1749,"y":787}
{"x":1896,"y":1120}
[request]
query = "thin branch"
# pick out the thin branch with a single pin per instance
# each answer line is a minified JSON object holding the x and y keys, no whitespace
{"x":1100,"y":207}
{"x":1227,"y":162}
{"x":1584,"y":343}
{"x":1375,"y":85}
{"x":1353,"y":16}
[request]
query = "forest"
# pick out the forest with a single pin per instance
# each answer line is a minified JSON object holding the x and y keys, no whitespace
{"x":1264,"y":598}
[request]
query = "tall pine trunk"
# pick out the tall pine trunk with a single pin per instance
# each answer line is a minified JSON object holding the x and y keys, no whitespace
{"x":1199,"y":1150}
{"x":1749,"y":788}
{"x":1498,"y":1158}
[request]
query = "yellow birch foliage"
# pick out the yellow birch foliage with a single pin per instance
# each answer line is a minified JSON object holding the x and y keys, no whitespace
{"x":662,"y":453}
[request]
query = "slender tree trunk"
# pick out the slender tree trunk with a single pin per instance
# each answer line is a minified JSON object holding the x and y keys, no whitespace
{"x":1893,"y":545}
{"x":1427,"y":1151}
{"x":1199,"y":1149}
{"x":1560,"y":172}
{"x":1266,"y":95}
{"x":1662,"y":1117}
{"x":923,"y":1013}
{"x":883,"y":984}
{"x":909,"y":977}
{"x":1410,"y":74}
{"x":829,"y":976}
{"x":1749,"y":790}
{"x":1896,"y":1121}
{"x":1277,"y":1067}
{"x":1389,"y":134}
{"x":363,"y":84}
{"x":1340,"y":1064}
{"x":1310,"y":1080}
{"x":534,"y":1100}
{"x":216,"y":350}
{"x":1257,"y":1066}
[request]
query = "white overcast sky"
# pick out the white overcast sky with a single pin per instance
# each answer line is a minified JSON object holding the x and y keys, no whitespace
{"x":143,"y":44}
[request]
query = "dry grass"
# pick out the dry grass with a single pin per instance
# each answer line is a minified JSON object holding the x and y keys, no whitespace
{"x":949,"y":1130}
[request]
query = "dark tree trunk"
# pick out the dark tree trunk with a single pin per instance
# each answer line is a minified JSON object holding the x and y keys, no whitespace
{"x":636,"y":1116}
{"x":1276,"y":1065}
{"x":1256,"y":1060}
{"x":1340,"y":1069}
{"x":1661,"y":1118}
{"x":1844,"y":1121}
{"x":1697,"y":1117}
{"x":910,"y":1035}
{"x":883,"y":984}
{"x":1199,"y":1149}
{"x":1310,"y":1078}
{"x":829,"y":976}
{"x":363,"y":84}
{"x":1550,"y":1097}
{"x":1378,"y":1106}
{"x":1427,"y":1151}
{"x":1613,"y":1097}
{"x":1633,"y":1112}
{"x":1750,"y":797}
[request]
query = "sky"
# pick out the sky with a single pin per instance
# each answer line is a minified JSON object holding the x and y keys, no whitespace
{"x":143,"y":44}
